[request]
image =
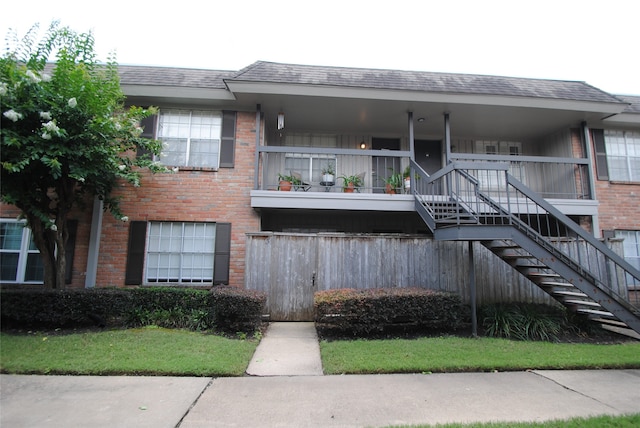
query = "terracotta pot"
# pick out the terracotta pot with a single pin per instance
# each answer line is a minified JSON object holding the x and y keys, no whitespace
{"x":349,"y":189}
{"x":284,"y":186}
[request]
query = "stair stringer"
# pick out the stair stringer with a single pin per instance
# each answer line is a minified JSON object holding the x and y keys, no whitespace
{"x":621,"y":310}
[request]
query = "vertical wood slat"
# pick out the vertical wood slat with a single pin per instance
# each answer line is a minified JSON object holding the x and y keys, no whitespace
{"x":282,"y":265}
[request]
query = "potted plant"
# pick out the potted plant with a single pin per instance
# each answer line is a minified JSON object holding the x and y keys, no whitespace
{"x":328,"y":175}
{"x":393,"y":183}
{"x":351,"y":182}
{"x":286,"y":182}
{"x":407,"y":178}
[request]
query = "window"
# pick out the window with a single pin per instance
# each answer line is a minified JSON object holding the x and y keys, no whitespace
{"x":190,"y":138}
{"x":495,"y":179}
{"x":20,"y":260}
{"x":623,"y":155}
{"x":309,"y":166}
{"x":180,"y":252}
{"x":630,"y":247}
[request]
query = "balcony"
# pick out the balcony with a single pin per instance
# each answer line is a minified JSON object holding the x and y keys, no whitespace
{"x":562,"y":181}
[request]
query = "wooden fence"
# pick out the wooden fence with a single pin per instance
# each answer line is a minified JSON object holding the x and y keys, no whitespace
{"x":290,"y":267}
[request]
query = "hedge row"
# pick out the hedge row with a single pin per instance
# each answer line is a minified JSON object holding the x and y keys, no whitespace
{"x":223,"y":308}
{"x":376,"y":310}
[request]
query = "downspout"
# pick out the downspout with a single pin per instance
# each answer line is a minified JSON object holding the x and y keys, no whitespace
{"x":257,"y":156}
{"x":94,"y":244}
{"x":592,"y":182}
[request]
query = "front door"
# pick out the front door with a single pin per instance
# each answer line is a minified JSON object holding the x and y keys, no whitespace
{"x":429,"y":157}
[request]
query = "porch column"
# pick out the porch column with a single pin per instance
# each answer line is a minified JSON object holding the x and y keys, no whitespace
{"x":447,"y":139}
{"x":411,"y":137}
{"x":586,"y":136}
{"x":472,"y":291}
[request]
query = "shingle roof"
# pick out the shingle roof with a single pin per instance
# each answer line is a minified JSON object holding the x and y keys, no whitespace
{"x":169,"y":76}
{"x":634,"y":103}
{"x":262,"y":71}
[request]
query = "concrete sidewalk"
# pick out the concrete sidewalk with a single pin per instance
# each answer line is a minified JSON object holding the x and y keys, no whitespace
{"x":287,"y":349}
{"x":285,"y":388}
{"x":314,"y":401}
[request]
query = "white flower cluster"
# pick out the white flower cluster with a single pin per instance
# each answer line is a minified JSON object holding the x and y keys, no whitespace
{"x":12,"y":115}
{"x":72,"y":102}
{"x":50,"y":129}
{"x":3,"y":88}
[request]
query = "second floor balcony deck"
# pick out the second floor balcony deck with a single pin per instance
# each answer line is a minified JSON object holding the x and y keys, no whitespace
{"x":562,"y":181}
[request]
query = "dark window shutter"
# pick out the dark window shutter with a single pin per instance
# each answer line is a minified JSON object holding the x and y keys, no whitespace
{"x":135,"y":253}
{"x":69,"y":249}
{"x":148,"y":125}
{"x":602,"y":170}
{"x":228,"y":139}
{"x":222,"y":254}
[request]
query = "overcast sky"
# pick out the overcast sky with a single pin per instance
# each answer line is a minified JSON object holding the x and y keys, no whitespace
{"x":586,"y":40}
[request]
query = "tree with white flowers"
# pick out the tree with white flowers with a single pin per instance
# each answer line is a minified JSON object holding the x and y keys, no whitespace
{"x":66,"y":136}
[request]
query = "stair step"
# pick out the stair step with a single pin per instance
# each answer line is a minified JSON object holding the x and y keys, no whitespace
{"x":556,"y":284}
{"x":595,"y":312}
{"x":564,"y":293}
{"x":609,"y":322}
{"x":455,"y":221}
{"x":541,"y":275}
{"x":582,"y":302}
{"x":531,"y":266}
{"x":622,"y":330}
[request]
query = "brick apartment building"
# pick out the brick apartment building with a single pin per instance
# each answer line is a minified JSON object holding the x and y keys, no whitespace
{"x":230,"y":134}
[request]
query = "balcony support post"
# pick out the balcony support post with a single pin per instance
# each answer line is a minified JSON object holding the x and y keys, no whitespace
{"x":447,"y":139}
{"x":472,"y":292}
{"x":586,"y":136}
{"x":411,"y":137}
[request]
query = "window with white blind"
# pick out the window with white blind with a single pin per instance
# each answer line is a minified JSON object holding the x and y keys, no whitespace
{"x":309,"y":166}
{"x":631,"y":248}
{"x":20,"y":260}
{"x":190,"y":138}
{"x":495,"y":179}
{"x":180,"y":252}
{"x":623,"y":155}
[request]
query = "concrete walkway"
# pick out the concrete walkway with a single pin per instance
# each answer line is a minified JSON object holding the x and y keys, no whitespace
{"x":287,"y":349}
{"x":285,"y":388}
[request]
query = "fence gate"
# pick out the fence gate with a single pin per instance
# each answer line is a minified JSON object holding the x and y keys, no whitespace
{"x":284,"y":267}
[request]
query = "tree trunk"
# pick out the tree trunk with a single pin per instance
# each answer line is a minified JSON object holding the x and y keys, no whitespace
{"x":42,"y":237}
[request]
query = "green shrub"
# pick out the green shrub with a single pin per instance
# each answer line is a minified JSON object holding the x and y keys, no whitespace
{"x":224,"y":308}
{"x":523,"y":321}
{"x":62,"y":308}
{"x":237,"y":309}
{"x":376,"y":310}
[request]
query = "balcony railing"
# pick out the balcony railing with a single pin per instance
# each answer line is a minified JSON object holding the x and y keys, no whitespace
{"x":309,"y":165}
{"x":551,"y":177}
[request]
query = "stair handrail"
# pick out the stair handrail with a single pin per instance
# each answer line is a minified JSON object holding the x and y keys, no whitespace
{"x":609,"y":254}
{"x":507,"y":208}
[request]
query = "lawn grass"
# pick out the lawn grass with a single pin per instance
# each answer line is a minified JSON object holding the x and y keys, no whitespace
{"x":456,"y":354}
{"x":626,"y":421}
{"x":145,"y":351}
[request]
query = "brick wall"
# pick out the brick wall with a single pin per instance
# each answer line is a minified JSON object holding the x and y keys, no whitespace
{"x":188,"y":195}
